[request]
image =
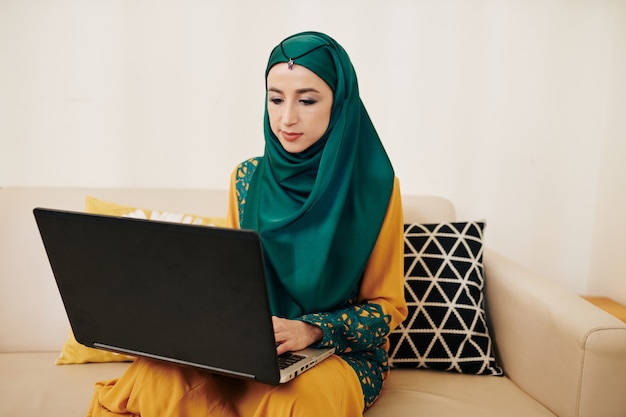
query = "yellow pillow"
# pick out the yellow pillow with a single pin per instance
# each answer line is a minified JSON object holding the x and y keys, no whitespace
{"x":72,"y":351}
{"x":96,"y":206}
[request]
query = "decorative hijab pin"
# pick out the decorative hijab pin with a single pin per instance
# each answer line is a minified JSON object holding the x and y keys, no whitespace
{"x":290,"y":60}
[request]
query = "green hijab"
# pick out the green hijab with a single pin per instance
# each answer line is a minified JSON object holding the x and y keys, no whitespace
{"x":319,"y":212}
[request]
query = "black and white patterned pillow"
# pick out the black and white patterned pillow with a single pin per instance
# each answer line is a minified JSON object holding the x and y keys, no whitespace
{"x":446,"y":328}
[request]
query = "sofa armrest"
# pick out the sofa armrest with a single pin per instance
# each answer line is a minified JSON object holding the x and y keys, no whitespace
{"x":563,"y":351}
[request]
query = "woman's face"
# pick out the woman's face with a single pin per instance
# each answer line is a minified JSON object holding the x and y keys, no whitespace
{"x":299,"y":106}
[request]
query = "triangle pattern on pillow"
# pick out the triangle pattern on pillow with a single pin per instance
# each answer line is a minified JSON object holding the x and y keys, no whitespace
{"x":446,"y":328}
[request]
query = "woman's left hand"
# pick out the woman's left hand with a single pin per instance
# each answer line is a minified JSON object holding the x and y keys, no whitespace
{"x":294,"y":334}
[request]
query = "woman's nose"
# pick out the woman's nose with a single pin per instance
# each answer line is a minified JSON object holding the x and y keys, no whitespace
{"x":290,"y":115}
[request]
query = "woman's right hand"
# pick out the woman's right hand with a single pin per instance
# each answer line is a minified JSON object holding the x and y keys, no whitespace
{"x":294,"y":335}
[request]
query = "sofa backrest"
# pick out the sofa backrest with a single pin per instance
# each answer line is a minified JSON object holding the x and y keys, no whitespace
{"x":32,"y":317}
{"x":427,"y":209}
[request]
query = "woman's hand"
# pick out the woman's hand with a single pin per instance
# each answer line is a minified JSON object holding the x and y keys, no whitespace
{"x":294,"y":334}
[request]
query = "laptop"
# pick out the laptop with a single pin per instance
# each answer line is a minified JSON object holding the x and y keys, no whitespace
{"x":186,"y":294}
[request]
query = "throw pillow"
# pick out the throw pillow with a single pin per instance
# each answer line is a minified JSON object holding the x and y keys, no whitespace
{"x":446,"y":328}
{"x":73,"y":352}
{"x":97,"y":206}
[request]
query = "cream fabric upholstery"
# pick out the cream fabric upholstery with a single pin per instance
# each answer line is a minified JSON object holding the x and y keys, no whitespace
{"x":557,"y":347}
{"x":562,"y":356}
{"x":432,"y":393}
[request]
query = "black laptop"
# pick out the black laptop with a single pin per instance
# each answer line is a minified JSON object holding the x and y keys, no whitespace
{"x":187,"y":294}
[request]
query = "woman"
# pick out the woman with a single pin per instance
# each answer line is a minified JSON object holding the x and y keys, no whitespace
{"x":326,"y":203}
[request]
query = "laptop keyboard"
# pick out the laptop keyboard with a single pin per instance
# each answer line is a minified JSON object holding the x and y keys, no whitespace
{"x":287,"y":359}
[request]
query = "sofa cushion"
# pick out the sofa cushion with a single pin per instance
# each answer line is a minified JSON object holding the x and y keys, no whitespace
{"x":32,"y":386}
{"x":429,"y":393}
{"x":73,"y":352}
{"x":446,"y":328}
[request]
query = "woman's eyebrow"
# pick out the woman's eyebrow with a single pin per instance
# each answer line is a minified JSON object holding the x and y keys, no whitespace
{"x":298,"y":91}
{"x":307,"y":90}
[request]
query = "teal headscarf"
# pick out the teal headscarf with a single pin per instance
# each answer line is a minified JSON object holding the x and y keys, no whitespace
{"x":319,"y":212}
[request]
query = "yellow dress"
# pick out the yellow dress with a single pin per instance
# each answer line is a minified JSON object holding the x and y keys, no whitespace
{"x":154,"y":389}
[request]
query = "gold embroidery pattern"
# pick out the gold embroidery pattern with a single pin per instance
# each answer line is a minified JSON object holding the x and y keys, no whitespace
{"x":359,"y":333}
{"x":242,"y":182}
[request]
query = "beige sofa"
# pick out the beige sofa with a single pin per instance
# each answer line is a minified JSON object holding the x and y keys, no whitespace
{"x":561,"y":355}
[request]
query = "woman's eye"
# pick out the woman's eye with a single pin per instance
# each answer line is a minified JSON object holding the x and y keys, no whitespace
{"x":307,"y":102}
{"x":276,"y":100}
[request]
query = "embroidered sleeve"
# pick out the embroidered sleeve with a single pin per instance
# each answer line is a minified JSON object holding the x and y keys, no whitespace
{"x":352,"y":329}
{"x":242,"y":182}
{"x":358,"y":332}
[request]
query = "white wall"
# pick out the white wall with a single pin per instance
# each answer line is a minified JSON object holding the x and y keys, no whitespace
{"x":608,"y":266}
{"x":511,"y":108}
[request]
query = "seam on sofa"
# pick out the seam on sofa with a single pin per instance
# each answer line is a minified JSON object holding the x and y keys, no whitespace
{"x":582,"y":361}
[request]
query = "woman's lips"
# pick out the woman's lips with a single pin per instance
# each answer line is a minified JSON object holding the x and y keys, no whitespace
{"x":290,"y":136}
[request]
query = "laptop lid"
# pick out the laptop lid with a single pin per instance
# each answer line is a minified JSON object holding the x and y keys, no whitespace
{"x":191,"y":295}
